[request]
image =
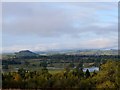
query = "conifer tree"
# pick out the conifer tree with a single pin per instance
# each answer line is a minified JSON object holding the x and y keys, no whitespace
{"x":87,"y":73}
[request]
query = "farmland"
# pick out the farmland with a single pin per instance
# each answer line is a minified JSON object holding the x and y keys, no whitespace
{"x":51,"y":71}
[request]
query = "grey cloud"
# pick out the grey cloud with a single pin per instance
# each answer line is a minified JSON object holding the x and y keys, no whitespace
{"x":57,"y":20}
{"x":47,"y":20}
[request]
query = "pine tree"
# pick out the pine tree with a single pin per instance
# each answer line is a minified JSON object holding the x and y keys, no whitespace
{"x":87,"y":74}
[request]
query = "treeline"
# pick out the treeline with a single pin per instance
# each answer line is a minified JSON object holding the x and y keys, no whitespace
{"x":107,"y":77}
{"x":63,"y":58}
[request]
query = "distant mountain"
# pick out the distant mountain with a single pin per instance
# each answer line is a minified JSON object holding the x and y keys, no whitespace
{"x":25,"y":53}
{"x":81,"y":52}
{"x":96,"y":52}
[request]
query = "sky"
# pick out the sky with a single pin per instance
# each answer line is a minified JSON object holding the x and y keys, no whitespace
{"x":42,"y":26}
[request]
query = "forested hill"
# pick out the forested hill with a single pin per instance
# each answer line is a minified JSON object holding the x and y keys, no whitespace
{"x":25,"y":53}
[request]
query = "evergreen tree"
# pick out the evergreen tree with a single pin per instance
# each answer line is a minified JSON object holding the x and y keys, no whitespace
{"x":21,"y":72}
{"x":43,"y":64}
{"x":87,"y":73}
{"x":94,"y":73}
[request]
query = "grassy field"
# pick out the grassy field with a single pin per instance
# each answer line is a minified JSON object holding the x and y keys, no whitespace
{"x":51,"y":71}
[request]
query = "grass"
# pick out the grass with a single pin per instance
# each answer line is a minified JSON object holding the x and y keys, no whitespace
{"x":51,"y":71}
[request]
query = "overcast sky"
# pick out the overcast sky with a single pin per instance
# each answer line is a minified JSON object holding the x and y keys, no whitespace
{"x":48,"y":26}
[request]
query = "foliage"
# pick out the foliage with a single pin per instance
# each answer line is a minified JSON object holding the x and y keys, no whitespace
{"x":107,"y":77}
{"x":43,"y":64}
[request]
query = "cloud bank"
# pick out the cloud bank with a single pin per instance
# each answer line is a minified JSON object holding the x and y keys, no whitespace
{"x":47,"y":26}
